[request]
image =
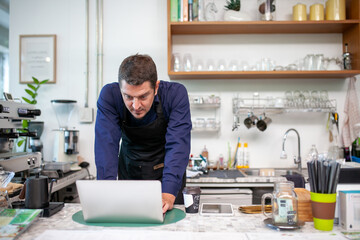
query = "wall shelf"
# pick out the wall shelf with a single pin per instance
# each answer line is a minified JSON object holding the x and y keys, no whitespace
{"x":262,"y":74}
{"x":262,"y":27}
{"x":349,"y":28}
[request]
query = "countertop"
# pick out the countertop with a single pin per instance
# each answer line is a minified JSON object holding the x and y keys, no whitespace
{"x":194,"y":226}
{"x":246,"y":181}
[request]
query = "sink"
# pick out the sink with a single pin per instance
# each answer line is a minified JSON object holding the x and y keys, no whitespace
{"x":278,"y":172}
{"x":234,"y":173}
{"x":226,"y":174}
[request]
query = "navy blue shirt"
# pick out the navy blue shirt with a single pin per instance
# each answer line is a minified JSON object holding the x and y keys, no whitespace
{"x":176,"y":109}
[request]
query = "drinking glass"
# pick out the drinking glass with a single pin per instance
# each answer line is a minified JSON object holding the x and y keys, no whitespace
{"x":244,"y":66}
{"x":267,"y":64}
{"x":188,"y":64}
{"x":318,"y":62}
{"x":314,"y":99}
{"x":267,"y":10}
{"x":210,"y":65}
{"x":233,"y":65}
{"x":176,"y":62}
{"x":289,"y":99}
{"x":324,"y":98}
{"x":306,"y":95}
{"x":221,"y":65}
{"x":297,"y":99}
{"x":199,"y":65}
{"x":309,"y":62}
{"x":200,"y":123}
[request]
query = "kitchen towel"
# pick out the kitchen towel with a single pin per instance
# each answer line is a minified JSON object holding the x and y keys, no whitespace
{"x":352,"y":115}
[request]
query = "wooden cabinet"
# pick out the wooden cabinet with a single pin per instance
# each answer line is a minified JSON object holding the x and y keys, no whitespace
{"x":349,"y":28}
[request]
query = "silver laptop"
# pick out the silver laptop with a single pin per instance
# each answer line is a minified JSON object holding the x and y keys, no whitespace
{"x":125,"y":201}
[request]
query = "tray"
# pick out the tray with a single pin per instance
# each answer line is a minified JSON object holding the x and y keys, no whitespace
{"x":269,"y":222}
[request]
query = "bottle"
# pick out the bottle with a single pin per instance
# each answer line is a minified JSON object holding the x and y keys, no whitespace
{"x":355,"y":148}
{"x":191,"y":15}
{"x":221,"y":162}
{"x":246,"y":156}
{"x":205,"y":154}
{"x":346,"y":58}
{"x":239,"y":157}
{"x":313,"y":153}
{"x":347,"y":154}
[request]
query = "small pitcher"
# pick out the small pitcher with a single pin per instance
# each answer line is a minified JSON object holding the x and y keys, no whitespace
{"x":284,"y":204}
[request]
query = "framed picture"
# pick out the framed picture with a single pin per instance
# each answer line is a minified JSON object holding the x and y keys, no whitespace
{"x":37,"y":58}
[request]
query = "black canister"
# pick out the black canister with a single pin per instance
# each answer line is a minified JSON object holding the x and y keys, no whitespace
{"x":191,"y":199}
{"x":37,"y":193}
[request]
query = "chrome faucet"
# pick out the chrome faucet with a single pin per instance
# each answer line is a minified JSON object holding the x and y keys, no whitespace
{"x":283,"y":154}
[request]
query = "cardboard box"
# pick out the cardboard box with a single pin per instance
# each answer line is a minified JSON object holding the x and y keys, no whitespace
{"x":350,"y":209}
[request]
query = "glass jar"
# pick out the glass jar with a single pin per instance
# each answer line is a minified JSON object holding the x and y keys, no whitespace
{"x":284,"y":204}
{"x":267,"y":10}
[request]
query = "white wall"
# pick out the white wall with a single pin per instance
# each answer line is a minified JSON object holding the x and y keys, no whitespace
{"x":140,"y":27}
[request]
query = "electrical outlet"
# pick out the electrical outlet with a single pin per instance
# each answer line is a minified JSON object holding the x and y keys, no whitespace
{"x":86,"y":115}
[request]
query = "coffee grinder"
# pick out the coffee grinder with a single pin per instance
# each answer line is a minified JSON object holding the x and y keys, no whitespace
{"x":35,"y":142}
{"x":65,"y":148}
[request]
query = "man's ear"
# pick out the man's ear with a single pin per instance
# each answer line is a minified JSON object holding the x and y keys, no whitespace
{"x":157,"y":86}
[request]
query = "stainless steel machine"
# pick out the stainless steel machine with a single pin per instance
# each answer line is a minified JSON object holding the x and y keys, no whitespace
{"x":11,"y":115}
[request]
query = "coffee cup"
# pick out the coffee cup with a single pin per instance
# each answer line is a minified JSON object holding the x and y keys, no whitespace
{"x":191,"y":199}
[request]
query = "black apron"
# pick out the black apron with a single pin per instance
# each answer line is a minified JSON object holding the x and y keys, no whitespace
{"x":142,"y":150}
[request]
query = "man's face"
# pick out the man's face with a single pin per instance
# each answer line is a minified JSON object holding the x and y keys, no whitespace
{"x":138,"y":99}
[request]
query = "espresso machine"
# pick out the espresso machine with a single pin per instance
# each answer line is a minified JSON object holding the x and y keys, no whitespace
{"x":66,"y":140}
{"x":11,"y":115}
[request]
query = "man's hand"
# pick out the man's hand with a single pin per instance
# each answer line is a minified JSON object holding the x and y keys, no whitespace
{"x":167,"y":201}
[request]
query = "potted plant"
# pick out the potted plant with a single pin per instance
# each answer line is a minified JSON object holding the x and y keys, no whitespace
{"x":233,"y":13}
{"x":32,"y":92}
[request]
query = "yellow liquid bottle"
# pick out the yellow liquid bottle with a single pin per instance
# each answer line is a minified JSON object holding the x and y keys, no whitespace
{"x":239,"y":157}
{"x":246,"y":156}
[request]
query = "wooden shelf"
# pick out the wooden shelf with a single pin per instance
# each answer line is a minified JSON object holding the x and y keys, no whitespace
{"x":258,"y":27}
{"x":350,"y":30}
{"x":262,"y":74}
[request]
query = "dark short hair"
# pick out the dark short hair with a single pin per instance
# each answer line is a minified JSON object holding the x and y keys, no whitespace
{"x":137,"y":69}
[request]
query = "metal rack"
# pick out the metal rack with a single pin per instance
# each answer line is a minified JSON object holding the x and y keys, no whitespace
{"x":205,"y":105}
{"x":269,"y":106}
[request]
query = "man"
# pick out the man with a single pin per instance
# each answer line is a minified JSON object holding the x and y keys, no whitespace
{"x":152,"y":118}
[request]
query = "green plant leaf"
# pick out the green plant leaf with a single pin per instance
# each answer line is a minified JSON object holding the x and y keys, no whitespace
{"x":26,"y":100}
{"x":30,"y":93}
{"x":33,"y":102}
{"x":25,"y":123}
{"x":44,"y":81}
{"x":35,"y":80}
{"x":19,"y":143}
{"x":31,"y":86}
